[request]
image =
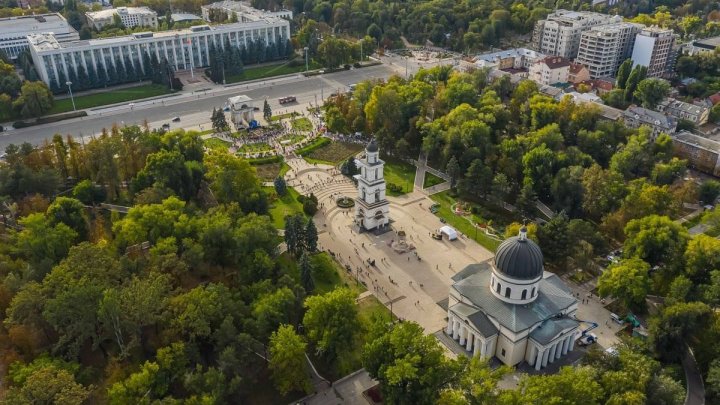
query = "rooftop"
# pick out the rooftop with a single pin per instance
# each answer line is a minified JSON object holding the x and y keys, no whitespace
{"x":698,"y":141}
{"x":555,"y":62}
{"x":37,"y":23}
{"x":108,"y":13}
{"x":553,"y":298}
{"x":681,"y":105}
{"x":600,"y":30}
{"x":177,"y":17}
{"x":650,"y":116}
{"x":510,"y":53}
{"x":708,"y":43}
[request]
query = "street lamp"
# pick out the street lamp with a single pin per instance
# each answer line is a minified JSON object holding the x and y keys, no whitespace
{"x":69,"y":83}
{"x":306,"y":59}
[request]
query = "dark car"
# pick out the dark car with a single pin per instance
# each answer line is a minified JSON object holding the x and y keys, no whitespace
{"x":176,"y":119}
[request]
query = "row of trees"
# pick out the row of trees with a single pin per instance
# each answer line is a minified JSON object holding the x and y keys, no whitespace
{"x":228,"y":60}
{"x":21,"y":98}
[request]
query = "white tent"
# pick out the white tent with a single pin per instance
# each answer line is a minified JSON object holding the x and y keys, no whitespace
{"x":449,"y":231}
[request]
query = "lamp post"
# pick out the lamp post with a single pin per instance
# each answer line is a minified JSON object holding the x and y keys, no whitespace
{"x":306,"y":59}
{"x":69,"y":84}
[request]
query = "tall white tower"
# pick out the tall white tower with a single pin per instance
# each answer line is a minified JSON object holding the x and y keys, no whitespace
{"x":371,"y":208}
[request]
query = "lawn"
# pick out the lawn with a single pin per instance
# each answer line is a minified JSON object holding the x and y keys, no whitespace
{"x":432,"y":180}
{"x":401,"y":175}
{"x":302,"y":124}
{"x":293,"y":138}
{"x":261,"y":72}
{"x":279,"y":117}
{"x":283,"y":206}
{"x":109,"y":97}
{"x":215,"y":143}
{"x":333,"y":153}
{"x":258,"y":147}
{"x":269,"y":171}
{"x":461,"y":223}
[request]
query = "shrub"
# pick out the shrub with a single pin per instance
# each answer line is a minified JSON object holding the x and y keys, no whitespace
{"x":394,"y":187}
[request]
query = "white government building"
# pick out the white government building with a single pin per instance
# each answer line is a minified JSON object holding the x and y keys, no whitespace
{"x":183,"y":49}
{"x":512,"y":308}
{"x":371,"y":206}
{"x":15,"y":30}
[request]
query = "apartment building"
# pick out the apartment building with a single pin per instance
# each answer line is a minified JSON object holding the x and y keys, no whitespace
{"x":681,"y":110}
{"x":14,"y":31}
{"x":603,"y":48}
{"x":635,"y":117}
{"x":559,"y":34}
{"x":701,"y":153}
{"x":654,"y":49}
{"x":550,"y":70}
{"x":130,"y":16}
{"x":183,"y":49}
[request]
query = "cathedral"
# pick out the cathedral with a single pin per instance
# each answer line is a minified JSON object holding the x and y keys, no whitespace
{"x":372,"y":209}
{"x":512,"y":309}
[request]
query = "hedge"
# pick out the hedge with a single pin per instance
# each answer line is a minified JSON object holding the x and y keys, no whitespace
{"x":49,"y":119}
{"x":317,"y":144}
{"x":265,"y":160}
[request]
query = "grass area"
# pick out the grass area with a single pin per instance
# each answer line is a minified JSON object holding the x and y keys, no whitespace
{"x":283,"y":206}
{"x":215,"y":143}
{"x":302,"y":124}
{"x":432,"y":180}
{"x":261,"y":72}
{"x":399,"y":176}
{"x":269,"y":171}
{"x":293,"y":138}
{"x":461,"y":223}
{"x":279,"y":117}
{"x":109,"y":97}
{"x":317,"y":143}
{"x":333,"y":153}
{"x":259,"y":147}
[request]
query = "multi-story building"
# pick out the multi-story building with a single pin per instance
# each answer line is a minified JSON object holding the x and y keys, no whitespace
{"x":681,"y":110}
{"x":183,"y":49}
{"x":654,"y":49}
{"x":14,"y":31}
{"x":550,"y":70}
{"x":635,"y":117}
{"x":518,"y":58}
{"x":130,"y":17}
{"x":578,"y":73}
{"x":701,"y":153}
{"x":243,"y":11}
{"x":560,"y":33}
{"x":603,"y":48}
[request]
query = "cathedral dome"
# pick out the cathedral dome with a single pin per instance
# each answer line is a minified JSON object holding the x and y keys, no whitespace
{"x":372,"y":146}
{"x":519,"y":258}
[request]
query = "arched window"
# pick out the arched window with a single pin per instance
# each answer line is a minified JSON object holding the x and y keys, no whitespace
{"x":524,"y":295}
{"x":507,"y":292}
{"x":497,"y":289}
{"x":533,"y":292}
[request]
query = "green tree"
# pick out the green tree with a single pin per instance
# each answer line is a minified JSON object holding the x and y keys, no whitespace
{"x":219,"y":123}
{"x":311,"y":236}
{"x":233,"y":180}
{"x":280,"y":186}
{"x":306,"y":279}
{"x":273,"y":309}
{"x":287,"y":361}
{"x":49,"y":385}
{"x":677,"y":323}
{"x":702,"y":256}
{"x":554,"y":239}
{"x":88,"y":193}
{"x":623,"y":73}
{"x":331,"y":321}
{"x":627,"y":280}
{"x":525,"y":202}
{"x":453,"y":170}
{"x":70,"y":212}
{"x":572,"y":385}
{"x":655,"y":239}
{"x":42,"y":243}
{"x":539,"y":169}
{"x":650,"y":92}
{"x":632,"y":82}
{"x":477,"y":383}
{"x":267,"y":111}
{"x":501,"y":187}
{"x":709,"y":191}
{"x":477,"y":181}
{"x":35,"y":99}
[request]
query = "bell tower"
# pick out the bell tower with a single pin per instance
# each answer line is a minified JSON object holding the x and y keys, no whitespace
{"x":371,"y":207}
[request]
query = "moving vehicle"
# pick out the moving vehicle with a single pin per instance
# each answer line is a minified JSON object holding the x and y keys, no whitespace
{"x":166,"y":126}
{"x":176,"y":119}
{"x":288,"y":99}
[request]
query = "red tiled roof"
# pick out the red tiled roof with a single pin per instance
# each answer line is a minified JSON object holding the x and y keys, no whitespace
{"x":575,"y":68}
{"x":715,"y":98}
{"x":554,"y":62}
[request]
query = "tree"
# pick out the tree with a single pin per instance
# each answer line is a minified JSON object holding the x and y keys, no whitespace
{"x":219,"y":123}
{"x":280,"y":186}
{"x":70,"y":212}
{"x":477,"y":181}
{"x":42,"y":243}
{"x":623,"y":73}
{"x":88,"y":193}
{"x":477,"y":383}
{"x":677,"y":323}
{"x":311,"y":236}
{"x":554,"y":239}
{"x":49,"y":385}
{"x":539,"y":169}
{"x":411,"y":366}
{"x":453,"y":170}
{"x":331,"y":322}
{"x":702,"y":256}
{"x":655,"y":239}
{"x":709,"y":191}
{"x":627,"y":280}
{"x":650,"y":92}
{"x":572,"y":385}
{"x":273,"y":309}
{"x":525,"y":202}
{"x":267,"y":111}
{"x":233,"y":180}
{"x":306,"y":279}
{"x":712,"y":380}
{"x":500,"y":188}
{"x":632,"y":82}
{"x":35,"y":99}
{"x":287,"y":361}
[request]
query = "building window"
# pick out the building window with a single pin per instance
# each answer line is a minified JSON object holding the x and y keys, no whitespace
{"x":497,"y":289}
{"x":533,"y":292}
{"x":507,"y":292}
{"x":502,"y":353}
{"x":524,"y":295}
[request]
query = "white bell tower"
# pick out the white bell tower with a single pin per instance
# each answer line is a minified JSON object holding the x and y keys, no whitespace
{"x":371,"y":207}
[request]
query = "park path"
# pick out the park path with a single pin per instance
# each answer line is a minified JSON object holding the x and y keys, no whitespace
{"x":421,"y":168}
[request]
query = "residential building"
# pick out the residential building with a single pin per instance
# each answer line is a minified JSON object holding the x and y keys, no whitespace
{"x":635,"y":117}
{"x":681,"y":110}
{"x":578,"y":73}
{"x":703,"y":45}
{"x":183,"y":49}
{"x":512,"y":309}
{"x":701,"y":153}
{"x":14,"y":31}
{"x":603,"y":48}
{"x":243,"y":11}
{"x":603,"y":85}
{"x":372,"y":209}
{"x":550,"y":70}
{"x":559,"y":34}
{"x":518,"y":58}
{"x":654,"y":49}
{"x":130,"y":16}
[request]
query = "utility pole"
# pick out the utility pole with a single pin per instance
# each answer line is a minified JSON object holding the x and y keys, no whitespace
{"x":69,"y":84}
{"x":306,"y":59}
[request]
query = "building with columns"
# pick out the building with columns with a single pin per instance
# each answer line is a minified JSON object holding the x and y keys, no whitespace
{"x":183,"y":49}
{"x":512,"y":308}
{"x":372,"y":209}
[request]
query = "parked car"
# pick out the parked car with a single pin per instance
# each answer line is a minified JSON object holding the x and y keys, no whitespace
{"x":587,"y":340}
{"x":288,"y":99}
{"x":166,"y":126}
{"x":176,"y":119}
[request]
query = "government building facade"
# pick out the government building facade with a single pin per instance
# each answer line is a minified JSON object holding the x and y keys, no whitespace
{"x":512,"y":309}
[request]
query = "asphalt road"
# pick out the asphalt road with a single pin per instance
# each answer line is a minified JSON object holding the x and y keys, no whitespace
{"x":195,"y":108}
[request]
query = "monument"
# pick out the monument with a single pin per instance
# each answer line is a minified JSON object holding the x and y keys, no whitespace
{"x":371,"y":207}
{"x":241,"y":110}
